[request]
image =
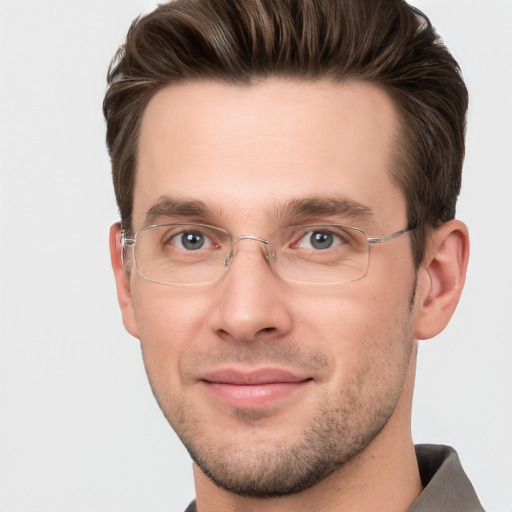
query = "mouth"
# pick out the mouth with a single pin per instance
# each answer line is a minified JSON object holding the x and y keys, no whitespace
{"x":253,"y":389}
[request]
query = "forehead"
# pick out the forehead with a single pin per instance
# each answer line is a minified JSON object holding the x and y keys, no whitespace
{"x":248,"y":148}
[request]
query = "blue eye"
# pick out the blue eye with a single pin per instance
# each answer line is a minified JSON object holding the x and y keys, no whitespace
{"x":319,"y":240}
{"x":191,"y":241}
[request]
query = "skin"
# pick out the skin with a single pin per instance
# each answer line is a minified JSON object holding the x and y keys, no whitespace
{"x":340,"y":439}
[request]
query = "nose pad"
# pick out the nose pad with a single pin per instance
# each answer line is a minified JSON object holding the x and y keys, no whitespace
{"x":229,"y":258}
{"x":269,"y":255}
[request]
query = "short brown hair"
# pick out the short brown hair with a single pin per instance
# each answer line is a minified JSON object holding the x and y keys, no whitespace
{"x":384,"y":42}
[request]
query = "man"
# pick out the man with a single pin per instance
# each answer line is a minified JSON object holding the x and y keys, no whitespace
{"x":287,"y":174}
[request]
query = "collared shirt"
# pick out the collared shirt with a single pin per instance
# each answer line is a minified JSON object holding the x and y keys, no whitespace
{"x":446,"y":485}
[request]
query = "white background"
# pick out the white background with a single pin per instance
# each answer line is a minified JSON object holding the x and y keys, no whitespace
{"x":79,"y":428}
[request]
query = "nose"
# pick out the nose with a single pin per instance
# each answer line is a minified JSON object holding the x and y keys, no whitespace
{"x":229,"y":259}
{"x":251,"y":301}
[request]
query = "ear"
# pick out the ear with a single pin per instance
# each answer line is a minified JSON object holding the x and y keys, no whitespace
{"x":122,"y":278}
{"x":441,"y":278}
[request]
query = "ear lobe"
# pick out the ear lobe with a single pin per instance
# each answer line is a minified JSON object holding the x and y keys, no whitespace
{"x":441,"y":278}
{"x":122,"y":279}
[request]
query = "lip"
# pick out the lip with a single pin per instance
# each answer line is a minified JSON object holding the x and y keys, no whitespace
{"x":253,"y":389}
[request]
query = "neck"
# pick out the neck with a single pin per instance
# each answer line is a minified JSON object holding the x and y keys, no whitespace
{"x":382,"y":478}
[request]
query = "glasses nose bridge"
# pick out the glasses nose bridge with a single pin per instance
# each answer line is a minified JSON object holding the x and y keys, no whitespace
{"x":251,"y":237}
{"x":263,"y":241}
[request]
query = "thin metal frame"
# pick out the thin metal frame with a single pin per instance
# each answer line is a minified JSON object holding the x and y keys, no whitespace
{"x":131,"y":241}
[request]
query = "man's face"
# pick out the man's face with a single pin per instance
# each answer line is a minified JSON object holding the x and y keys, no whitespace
{"x":270,"y":384}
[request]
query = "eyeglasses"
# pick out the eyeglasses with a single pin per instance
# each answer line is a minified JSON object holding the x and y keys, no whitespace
{"x":194,"y":254}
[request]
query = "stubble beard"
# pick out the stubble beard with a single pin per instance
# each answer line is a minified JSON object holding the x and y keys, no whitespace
{"x":341,"y":427}
{"x":330,"y":439}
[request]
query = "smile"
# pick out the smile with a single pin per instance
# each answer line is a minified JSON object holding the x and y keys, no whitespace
{"x":253,"y":389}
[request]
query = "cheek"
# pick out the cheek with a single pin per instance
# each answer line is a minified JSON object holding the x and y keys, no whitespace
{"x":359,"y":328}
{"x":171,"y":323}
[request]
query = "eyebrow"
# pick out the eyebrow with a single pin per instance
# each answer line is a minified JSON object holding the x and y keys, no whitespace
{"x":291,"y":210}
{"x":176,"y":207}
{"x":323,"y":206}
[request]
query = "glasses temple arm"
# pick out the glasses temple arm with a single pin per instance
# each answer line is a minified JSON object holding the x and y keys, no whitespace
{"x":391,"y":236}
